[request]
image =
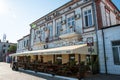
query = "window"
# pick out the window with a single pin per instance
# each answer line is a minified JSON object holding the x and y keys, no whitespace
{"x":18,"y":46}
{"x":71,"y":57}
{"x":27,"y":42}
{"x":50,"y":32}
{"x":70,"y":24}
{"x":59,"y":59}
{"x":42,"y":35}
{"x":4,"y":45}
{"x":116,"y":52}
{"x":107,"y":17}
{"x":3,"y":50}
{"x":8,"y":45}
{"x":24,"y":43}
{"x":88,"y":18}
{"x":58,"y":27}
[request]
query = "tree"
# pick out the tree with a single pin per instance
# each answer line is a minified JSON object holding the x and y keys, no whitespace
{"x":12,"y":48}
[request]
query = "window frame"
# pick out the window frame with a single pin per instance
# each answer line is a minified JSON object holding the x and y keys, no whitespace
{"x":117,"y":46}
{"x":90,"y":23}
{"x":58,"y":28}
{"x":70,"y":21}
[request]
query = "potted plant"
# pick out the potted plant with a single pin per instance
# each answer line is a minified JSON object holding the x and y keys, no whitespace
{"x":82,"y":70}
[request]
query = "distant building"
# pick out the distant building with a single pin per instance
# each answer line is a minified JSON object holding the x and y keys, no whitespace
{"x":23,"y":44}
{"x":4,"y":46}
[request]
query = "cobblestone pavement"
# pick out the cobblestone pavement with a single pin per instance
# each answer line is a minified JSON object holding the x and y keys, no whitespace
{"x":7,"y":74}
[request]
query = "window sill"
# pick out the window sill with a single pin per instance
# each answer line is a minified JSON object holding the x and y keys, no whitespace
{"x":88,"y":27}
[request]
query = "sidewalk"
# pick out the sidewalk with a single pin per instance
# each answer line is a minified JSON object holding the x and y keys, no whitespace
{"x":103,"y":77}
{"x":92,"y":77}
{"x":5,"y":70}
{"x":46,"y":75}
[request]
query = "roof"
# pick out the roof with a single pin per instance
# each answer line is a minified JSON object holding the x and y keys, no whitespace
{"x":66,"y":4}
{"x":23,"y":37}
{"x":111,"y":26}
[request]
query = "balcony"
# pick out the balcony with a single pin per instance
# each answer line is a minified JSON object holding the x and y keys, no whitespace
{"x":53,"y":38}
{"x":40,"y":43}
{"x":69,"y":34}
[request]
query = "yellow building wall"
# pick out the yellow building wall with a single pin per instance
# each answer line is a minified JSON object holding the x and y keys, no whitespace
{"x":39,"y":58}
{"x":47,"y":58}
{"x":65,"y":58}
{"x":83,"y":57}
{"x":32,"y":58}
{"x":76,"y":58}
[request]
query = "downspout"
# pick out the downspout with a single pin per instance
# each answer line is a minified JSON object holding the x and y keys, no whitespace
{"x":104,"y":52}
{"x":96,"y":26}
{"x":96,"y":29}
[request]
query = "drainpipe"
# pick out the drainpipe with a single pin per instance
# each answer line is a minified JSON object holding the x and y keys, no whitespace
{"x":104,"y":52}
{"x":96,"y":25}
{"x":96,"y":29}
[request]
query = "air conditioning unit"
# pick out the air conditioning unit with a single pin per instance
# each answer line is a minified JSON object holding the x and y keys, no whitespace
{"x":63,"y":22}
{"x":70,"y":8}
{"x":61,"y":29}
{"x":46,"y":46}
{"x":54,"y":14}
{"x":115,"y":11}
{"x":118,"y":15}
{"x":57,"y":13}
{"x":47,"y":18}
{"x":45,"y":28}
{"x":37,"y":32}
{"x":77,"y":16}
{"x":70,"y":26}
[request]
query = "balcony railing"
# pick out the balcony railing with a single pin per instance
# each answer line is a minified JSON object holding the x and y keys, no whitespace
{"x":70,"y":33}
{"x":53,"y":38}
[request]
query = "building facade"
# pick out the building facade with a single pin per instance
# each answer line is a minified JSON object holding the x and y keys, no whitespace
{"x":69,"y":33}
{"x":72,"y":24}
{"x":23,"y":44}
{"x":109,"y":49}
{"x":4,"y":46}
{"x":107,"y":15}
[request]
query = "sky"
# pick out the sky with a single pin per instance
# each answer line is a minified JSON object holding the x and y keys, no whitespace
{"x":17,"y":15}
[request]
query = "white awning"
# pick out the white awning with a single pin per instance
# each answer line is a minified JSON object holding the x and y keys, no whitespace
{"x":80,"y":49}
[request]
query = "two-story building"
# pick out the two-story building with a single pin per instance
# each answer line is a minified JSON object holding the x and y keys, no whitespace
{"x":23,"y":44}
{"x":108,"y":36}
{"x":69,"y":33}
{"x":4,"y":47}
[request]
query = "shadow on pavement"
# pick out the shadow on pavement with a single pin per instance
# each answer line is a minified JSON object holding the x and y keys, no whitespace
{"x":49,"y":77}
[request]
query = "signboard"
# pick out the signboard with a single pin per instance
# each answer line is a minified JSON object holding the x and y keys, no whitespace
{"x":33,"y":25}
{"x":90,"y":41}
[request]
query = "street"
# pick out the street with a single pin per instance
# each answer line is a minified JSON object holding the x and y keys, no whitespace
{"x":6,"y":73}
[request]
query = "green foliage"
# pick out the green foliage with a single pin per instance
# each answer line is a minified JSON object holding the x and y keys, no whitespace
{"x":12,"y":48}
{"x":72,"y":63}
